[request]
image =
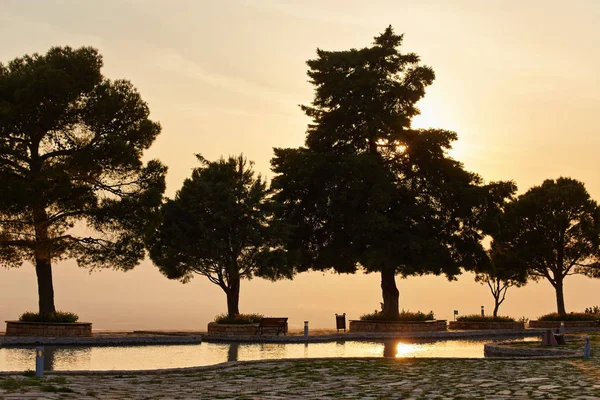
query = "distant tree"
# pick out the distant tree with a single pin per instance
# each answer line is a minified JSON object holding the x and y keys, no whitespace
{"x":219,"y":225}
{"x":370,"y":192}
{"x":73,"y":183}
{"x":499,"y":274}
{"x":553,"y":231}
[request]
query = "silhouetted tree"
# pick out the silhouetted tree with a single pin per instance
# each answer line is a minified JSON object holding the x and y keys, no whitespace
{"x":73,"y":183}
{"x":553,"y":231}
{"x":368,"y":190}
{"x":500,"y":273}
{"x":220,"y":226}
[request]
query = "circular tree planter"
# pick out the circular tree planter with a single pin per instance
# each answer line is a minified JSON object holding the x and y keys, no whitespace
{"x":397,"y":326}
{"x":510,"y":349}
{"x":568,"y":324}
{"x":474,"y":325}
{"x":48,"y":329}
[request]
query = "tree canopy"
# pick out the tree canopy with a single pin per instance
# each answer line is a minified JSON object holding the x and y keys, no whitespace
{"x":552,"y":231}
{"x":74,"y":185}
{"x":369,"y":191}
{"x":219,"y":225}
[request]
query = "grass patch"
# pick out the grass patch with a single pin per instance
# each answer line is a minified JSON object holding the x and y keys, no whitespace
{"x":61,"y":380}
{"x":56,"y":389}
{"x":12,"y":384}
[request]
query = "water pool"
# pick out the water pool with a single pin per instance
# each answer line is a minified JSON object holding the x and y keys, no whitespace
{"x":177,"y":356}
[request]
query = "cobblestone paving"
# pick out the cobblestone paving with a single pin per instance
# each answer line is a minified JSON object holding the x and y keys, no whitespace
{"x":351,"y":379}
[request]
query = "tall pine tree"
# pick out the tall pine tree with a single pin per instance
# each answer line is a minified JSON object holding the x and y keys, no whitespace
{"x":370,"y":192}
{"x":73,"y":182}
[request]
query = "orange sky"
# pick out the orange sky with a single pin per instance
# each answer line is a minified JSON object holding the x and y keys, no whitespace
{"x":518,"y":82}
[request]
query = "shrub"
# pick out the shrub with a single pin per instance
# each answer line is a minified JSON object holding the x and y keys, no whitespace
{"x":594,"y":310}
{"x":59,"y":316}
{"x":239,"y":319}
{"x":485,"y":318}
{"x":404,"y":316}
{"x":569,"y":317}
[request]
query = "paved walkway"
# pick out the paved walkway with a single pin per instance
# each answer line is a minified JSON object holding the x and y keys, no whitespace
{"x":351,"y":379}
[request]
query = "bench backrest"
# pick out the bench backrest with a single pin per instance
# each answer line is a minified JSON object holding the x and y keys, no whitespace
{"x":273,"y":321}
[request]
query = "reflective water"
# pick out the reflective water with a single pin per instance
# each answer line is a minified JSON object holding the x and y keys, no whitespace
{"x":175,"y":356}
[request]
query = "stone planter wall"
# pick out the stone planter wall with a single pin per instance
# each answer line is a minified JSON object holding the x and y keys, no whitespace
{"x":48,"y":329}
{"x":231,"y":329}
{"x":472,"y":325}
{"x":568,"y":324}
{"x":215,"y":329}
{"x":397,"y":326}
{"x":504,"y":349}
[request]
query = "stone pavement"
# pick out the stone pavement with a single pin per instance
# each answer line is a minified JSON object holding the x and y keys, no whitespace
{"x":333,"y":378}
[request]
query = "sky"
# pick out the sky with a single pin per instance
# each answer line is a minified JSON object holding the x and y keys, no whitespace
{"x":518,"y":81}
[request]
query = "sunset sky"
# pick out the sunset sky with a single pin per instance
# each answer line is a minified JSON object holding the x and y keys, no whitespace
{"x":518,"y":81}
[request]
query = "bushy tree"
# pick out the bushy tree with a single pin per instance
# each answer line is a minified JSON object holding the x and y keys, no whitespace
{"x":370,"y":192}
{"x":73,"y":183}
{"x":553,"y":231}
{"x":219,"y":225}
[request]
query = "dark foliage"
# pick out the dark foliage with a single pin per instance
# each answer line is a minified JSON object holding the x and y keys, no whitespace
{"x":220,"y":226}
{"x":58,"y":316}
{"x":402,"y":316}
{"x":552,"y":231}
{"x":485,"y":318}
{"x":71,"y":144}
{"x":370,"y":192}
{"x":572,"y":316}
{"x":239,"y":319}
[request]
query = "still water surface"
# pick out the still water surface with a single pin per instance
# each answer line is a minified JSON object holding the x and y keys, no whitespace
{"x":176,"y":356}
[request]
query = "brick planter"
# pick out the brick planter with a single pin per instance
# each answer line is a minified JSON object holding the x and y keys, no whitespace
{"x":397,"y":326}
{"x":217,"y":329}
{"x":473,"y":325}
{"x":568,"y":324}
{"x":48,"y":329}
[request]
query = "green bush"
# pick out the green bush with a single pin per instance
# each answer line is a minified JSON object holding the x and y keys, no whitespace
{"x":485,"y":318}
{"x":404,"y":316}
{"x":239,"y":319}
{"x":59,"y":316}
{"x":594,"y":310}
{"x":569,"y":317}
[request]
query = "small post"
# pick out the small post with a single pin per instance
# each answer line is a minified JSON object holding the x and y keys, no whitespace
{"x":482,"y":312}
{"x":39,"y":361}
{"x":455,"y":314}
{"x":305,"y":328}
{"x":587,"y":348}
{"x":561,"y":330}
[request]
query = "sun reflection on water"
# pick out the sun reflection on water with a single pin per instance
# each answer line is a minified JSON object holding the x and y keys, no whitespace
{"x":404,"y":349}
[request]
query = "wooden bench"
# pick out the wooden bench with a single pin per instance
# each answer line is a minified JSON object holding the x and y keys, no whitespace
{"x":279,"y":323}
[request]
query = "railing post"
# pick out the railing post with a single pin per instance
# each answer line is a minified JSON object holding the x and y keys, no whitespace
{"x":39,"y":361}
{"x":587,"y":348}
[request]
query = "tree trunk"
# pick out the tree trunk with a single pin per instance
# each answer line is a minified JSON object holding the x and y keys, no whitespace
{"x":43,"y":263}
{"x":560,"y":298}
{"x":390,"y":293}
{"x":43,"y":270}
{"x":496,"y":306}
{"x":233,"y":296}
